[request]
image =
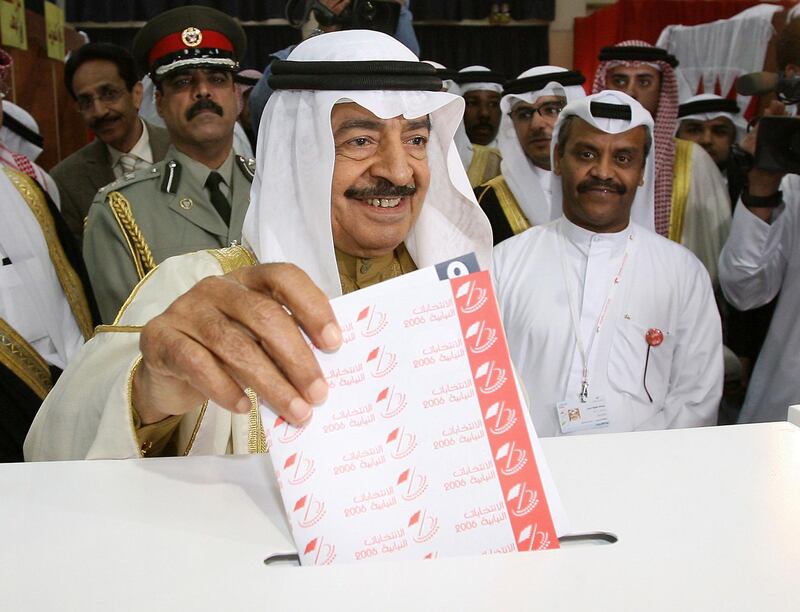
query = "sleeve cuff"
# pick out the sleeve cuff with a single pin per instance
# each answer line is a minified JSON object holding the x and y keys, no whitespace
{"x":153,"y":439}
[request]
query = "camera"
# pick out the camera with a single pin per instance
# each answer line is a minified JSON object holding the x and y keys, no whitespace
{"x":379,"y":15}
{"x":778,"y":144}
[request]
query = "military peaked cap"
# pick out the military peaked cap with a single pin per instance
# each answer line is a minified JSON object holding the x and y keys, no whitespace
{"x":189,"y":37}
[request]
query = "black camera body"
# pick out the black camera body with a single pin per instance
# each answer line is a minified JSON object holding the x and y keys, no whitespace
{"x":778,"y":144}
{"x":379,"y":15}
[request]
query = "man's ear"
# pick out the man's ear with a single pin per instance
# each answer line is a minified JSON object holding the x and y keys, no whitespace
{"x":137,"y":93}
{"x":556,"y":161}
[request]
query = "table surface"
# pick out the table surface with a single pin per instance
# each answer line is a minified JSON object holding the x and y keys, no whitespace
{"x":707,"y":519}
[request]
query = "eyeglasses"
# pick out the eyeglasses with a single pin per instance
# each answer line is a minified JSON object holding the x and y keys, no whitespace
{"x":548,"y":110}
{"x":107,"y":95}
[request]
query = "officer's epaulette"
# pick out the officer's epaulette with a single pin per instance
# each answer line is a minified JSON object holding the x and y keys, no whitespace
{"x":172,"y":177}
{"x":247,"y":166}
{"x":131,"y":178}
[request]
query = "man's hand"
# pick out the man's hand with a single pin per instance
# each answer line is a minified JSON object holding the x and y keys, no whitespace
{"x":337,"y":6}
{"x":231,"y":332}
{"x":763,"y":182}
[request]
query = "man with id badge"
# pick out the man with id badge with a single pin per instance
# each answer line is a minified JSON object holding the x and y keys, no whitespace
{"x":611,"y":327}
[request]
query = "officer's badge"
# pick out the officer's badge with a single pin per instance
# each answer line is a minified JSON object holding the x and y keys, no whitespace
{"x":247,"y":166}
{"x":191,"y":37}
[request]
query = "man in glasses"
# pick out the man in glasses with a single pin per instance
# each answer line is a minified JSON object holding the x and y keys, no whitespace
{"x":102,"y":80}
{"x":196,"y":197}
{"x":520,"y":197}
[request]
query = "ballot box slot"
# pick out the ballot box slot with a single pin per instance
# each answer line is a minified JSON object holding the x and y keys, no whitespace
{"x":283,"y":559}
{"x":591,"y":538}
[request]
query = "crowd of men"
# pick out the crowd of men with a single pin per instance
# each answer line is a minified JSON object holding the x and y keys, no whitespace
{"x":629,"y":247}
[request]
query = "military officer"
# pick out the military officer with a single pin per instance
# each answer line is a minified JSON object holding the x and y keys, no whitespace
{"x":196,"y":197}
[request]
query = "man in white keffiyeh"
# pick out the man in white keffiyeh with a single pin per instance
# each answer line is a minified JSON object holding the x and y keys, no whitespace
{"x":691,"y":203}
{"x":612,"y":327}
{"x":358,"y":181}
{"x":520,"y":196}
{"x":476,"y":138}
{"x":44,"y":311}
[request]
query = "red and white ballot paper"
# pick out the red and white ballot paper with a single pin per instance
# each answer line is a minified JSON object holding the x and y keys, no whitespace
{"x":424,"y":447}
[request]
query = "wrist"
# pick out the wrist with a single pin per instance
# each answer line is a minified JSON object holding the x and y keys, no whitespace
{"x":142,"y":400}
{"x":759,"y":200}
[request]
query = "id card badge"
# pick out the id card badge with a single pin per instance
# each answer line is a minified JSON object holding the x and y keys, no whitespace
{"x":574,"y":416}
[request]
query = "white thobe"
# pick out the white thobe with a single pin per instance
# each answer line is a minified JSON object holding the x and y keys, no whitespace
{"x":662,"y":286}
{"x":758,"y":261}
{"x":32,"y":300}
{"x":707,"y":218}
{"x":88,"y":414}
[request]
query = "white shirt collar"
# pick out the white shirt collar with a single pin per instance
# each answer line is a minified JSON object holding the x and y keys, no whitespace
{"x":582,"y":238}
{"x":140,"y":150}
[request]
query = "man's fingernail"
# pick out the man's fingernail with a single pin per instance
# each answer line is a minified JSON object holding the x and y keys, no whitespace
{"x":299,"y":411}
{"x":332,"y":335}
{"x":318,"y":391}
{"x":243,"y":405}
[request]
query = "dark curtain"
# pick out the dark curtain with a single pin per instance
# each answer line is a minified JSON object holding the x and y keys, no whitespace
{"x":456,"y":10}
{"x":37,"y":6}
{"x":261,"y":41}
{"x":258,"y":10}
{"x":141,"y":10}
{"x":505,"y":49}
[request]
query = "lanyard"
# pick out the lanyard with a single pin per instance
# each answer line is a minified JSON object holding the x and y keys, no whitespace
{"x":585,"y":351}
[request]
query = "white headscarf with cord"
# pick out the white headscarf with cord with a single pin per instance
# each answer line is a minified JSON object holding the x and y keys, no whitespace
{"x":289,"y":218}
{"x":519,"y":172}
{"x":643,"y":208}
{"x":738,"y":121}
{"x":16,"y":142}
{"x":465,"y":147}
{"x":478,"y":86}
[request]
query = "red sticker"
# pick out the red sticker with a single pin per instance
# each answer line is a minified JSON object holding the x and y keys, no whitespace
{"x":654,"y":336}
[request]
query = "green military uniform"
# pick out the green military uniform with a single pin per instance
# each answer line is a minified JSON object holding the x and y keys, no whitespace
{"x":145,"y":217}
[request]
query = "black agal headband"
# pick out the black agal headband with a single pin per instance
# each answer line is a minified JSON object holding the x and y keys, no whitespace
{"x":354,"y":76}
{"x":714,"y":105}
{"x":540,"y":81}
{"x":446,"y":74}
{"x":478,"y":76}
{"x":22,"y":131}
{"x":604,"y":110}
{"x":637,"y":54}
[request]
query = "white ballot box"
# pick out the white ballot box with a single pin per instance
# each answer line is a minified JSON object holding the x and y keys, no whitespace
{"x":794,"y":414}
{"x":706,"y":520}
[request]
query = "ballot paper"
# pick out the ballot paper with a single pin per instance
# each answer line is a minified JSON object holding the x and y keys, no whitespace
{"x":425,"y":447}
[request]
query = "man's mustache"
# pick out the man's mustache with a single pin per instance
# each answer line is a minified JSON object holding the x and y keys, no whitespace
{"x":201,"y":105}
{"x":612,"y":186}
{"x":381,"y":189}
{"x":100,"y":123}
